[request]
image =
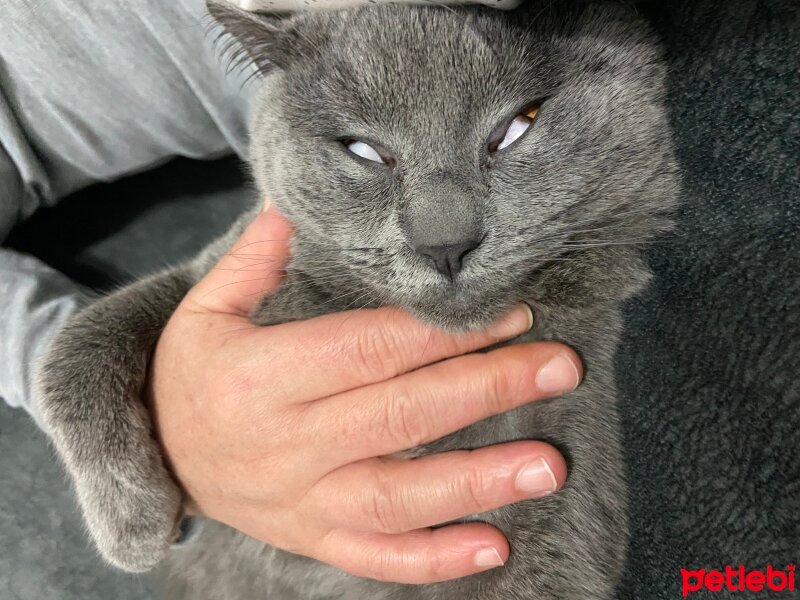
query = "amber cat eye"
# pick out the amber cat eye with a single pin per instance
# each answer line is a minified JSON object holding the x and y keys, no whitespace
{"x":509,"y":133}
{"x":532,"y":111}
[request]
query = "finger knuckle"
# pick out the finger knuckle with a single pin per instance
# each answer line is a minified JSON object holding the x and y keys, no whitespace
{"x":405,"y":422}
{"x":473,"y":487}
{"x":376,"y":352}
{"x":434,"y":565}
{"x":505,"y":385}
{"x":384,"y":507}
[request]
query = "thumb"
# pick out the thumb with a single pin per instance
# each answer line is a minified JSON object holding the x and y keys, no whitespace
{"x":251,"y":269}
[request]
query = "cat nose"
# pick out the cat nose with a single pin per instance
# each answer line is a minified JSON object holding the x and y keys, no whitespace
{"x":449,"y":258}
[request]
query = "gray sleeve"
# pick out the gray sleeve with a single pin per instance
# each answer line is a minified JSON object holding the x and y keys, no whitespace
{"x":91,"y":92}
{"x":35,"y":301}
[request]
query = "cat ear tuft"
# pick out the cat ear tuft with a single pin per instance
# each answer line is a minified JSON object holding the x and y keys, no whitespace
{"x":265,"y":41}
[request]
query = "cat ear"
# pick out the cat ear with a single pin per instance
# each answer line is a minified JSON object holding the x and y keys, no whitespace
{"x":266,"y":41}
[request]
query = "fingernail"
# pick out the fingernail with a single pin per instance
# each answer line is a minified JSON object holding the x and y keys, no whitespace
{"x":536,"y":479}
{"x":516,"y":322}
{"x":267,"y":205}
{"x":488,"y":558}
{"x":558,"y":376}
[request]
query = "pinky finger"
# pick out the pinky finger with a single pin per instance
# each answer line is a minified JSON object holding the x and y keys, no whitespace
{"x":417,"y":557}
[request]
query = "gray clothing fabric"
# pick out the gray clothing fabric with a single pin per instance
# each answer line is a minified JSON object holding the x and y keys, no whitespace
{"x":34,"y":300}
{"x":90,"y":92}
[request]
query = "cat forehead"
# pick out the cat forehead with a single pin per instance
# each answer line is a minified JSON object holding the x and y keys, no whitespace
{"x":445,"y":61}
{"x":419,"y":32}
{"x":431,"y":66}
{"x":377,"y":42}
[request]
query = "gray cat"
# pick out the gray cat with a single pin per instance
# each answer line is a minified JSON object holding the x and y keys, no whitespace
{"x":484,"y":157}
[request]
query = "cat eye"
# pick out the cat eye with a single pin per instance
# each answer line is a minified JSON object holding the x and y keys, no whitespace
{"x":515,"y":129}
{"x":364,"y":150}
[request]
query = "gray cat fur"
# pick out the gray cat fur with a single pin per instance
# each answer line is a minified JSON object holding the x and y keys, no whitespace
{"x":565,"y":211}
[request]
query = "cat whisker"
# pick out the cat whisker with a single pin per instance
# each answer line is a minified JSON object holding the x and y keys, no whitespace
{"x":566,"y":226}
{"x":440,"y":5}
{"x":347,"y":308}
{"x":310,"y":266}
{"x":427,"y":343}
{"x":367,"y":303}
{"x":322,"y":269}
{"x":567,"y":229}
{"x":338,"y":266}
{"x":254,"y":262}
{"x":601,"y":243}
{"x":340,"y":297}
{"x":249,"y":269}
{"x":315,"y":244}
{"x":264,"y":278}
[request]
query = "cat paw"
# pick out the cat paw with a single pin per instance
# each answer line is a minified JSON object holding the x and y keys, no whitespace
{"x":133,"y":525}
{"x":130,"y":504}
{"x":103,"y":434}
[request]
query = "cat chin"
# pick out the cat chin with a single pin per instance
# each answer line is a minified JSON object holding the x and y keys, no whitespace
{"x":454,"y":318}
{"x":452,"y":308}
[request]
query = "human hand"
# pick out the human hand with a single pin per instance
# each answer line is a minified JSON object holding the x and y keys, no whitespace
{"x":287,"y":433}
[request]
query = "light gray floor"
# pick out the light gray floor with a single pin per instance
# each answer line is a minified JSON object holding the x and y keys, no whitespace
{"x":45,"y":554}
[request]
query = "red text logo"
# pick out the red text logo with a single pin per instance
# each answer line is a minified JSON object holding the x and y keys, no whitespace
{"x":738,"y":580}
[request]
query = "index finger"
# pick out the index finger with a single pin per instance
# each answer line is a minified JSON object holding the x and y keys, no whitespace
{"x":344,"y":351}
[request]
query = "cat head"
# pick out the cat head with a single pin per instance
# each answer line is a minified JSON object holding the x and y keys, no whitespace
{"x":446,"y":160}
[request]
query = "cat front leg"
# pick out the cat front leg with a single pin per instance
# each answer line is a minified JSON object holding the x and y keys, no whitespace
{"x":90,"y":385}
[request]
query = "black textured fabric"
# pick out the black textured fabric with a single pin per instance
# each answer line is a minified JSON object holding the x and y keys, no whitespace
{"x":709,"y":365}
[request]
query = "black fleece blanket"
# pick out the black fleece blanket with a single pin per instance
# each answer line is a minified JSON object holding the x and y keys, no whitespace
{"x":710,"y":360}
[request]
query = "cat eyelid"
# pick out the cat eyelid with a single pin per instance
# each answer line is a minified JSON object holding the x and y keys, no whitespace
{"x":367,"y":152}
{"x":513,"y":129}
